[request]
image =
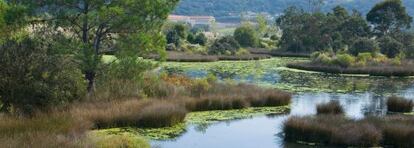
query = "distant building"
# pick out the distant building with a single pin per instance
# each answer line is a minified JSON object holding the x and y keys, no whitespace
{"x":192,"y":20}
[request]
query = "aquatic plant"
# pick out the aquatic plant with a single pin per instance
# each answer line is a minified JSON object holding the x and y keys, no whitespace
{"x":161,"y":114}
{"x":398,"y":104}
{"x":333,"y":107}
{"x":335,"y":130}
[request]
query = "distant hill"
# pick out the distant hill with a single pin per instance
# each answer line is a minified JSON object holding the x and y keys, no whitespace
{"x":224,"y":8}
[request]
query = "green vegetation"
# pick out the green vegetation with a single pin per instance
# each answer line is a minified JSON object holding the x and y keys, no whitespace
{"x":344,"y":45}
{"x":247,"y":36}
{"x":200,"y":120}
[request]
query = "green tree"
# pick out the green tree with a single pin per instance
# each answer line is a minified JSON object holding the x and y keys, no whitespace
{"x":201,"y":39}
{"x":389,"y":16}
{"x":390,"y":47}
{"x":247,"y":36}
{"x":226,"y":45}
{"x":34,"y":77}
{"x":98,"y":26}
{"x":363,"y":45}
{"x":261,"y":24}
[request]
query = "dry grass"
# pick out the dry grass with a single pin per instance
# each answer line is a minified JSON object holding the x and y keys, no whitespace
{"x":161,"y":114}
{"x":398,"y":104}
{"x":67,"y":127}
{"x":396,"y":131}
{"x":333,"y":107}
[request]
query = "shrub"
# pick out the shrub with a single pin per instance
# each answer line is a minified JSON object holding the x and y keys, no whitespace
{"x":363,"y":58}
{"x":225,"y":45}
{"x":274,"y":37}
{"x":363,"y":45}
{"x":246,"y":36}
{"x":201,"y":39}
{"x":322,"y":58}
{"x":161,"y":114}
{"x":33,"y":78}
{"x":345,"y":60}
{"x":398,"y":104}
{"x":390,"y":47}
{"x":333,"y":107}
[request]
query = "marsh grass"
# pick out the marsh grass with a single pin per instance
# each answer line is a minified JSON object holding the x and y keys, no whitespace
{"x":332,"y":107}
{"x":398,"y":104}
{"x":165,"y":104}
{"x":396,"y":131}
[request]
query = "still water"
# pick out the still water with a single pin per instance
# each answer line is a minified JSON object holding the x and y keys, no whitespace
{"x":360,"y":96}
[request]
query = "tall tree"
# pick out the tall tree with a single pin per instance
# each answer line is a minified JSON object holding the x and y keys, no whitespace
{"x":98,"y":26}
{"x":389,"y":16}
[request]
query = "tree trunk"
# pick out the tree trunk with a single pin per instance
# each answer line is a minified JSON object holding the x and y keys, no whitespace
{"x":90,"y":76}
{"x":5,"y":107}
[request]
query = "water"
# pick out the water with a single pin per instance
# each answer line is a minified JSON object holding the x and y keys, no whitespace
{"x":360,"y":97}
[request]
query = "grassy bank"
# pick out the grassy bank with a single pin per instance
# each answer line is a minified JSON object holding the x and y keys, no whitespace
{"x":167,"y":105}
{"x":193,"y":57}
{"x":380,"y":70}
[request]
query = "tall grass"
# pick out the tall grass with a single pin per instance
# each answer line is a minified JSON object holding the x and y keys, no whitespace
{"x":398,"y":104}
{"x":396,"y":131}
{"x":165,"y":102}
{"x":333,"y":107}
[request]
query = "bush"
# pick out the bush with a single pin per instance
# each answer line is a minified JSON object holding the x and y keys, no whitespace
{"x":201,"y":39}
{"x":247,"y":36}
{"x":31,"y":78}
{"x":333,"y":107}
{"x":322,"y":58}
{"x":225,"y":45}
{"x":390,"y":47}
{"x":363,"y":45}
{"x":398,"y":104}
{"x":345,"y":60}
{"x":364,"y":58}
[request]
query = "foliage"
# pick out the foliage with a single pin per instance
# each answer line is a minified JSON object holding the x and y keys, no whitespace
{"x":363,"y":45}
{"x":33,"y":78}
{"x":177,"y":34}
{"x":100,"y":26}
{"x":224,"y":46}
{"x":246,"y":36}
{"x":389,"y":16}
{"x":345,"y":60}
{"x":390,"y":47}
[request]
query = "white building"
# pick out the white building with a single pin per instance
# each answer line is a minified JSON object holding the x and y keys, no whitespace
{"x":192,"y":20}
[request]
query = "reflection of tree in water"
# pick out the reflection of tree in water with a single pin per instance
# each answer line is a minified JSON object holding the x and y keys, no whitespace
{"x":345,"y":83}
{"x":376,"y":106}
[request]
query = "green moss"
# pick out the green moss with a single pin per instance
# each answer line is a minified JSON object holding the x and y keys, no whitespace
{"x":161,"y":133}
{"x":209,"y":117}
{"x":117,"y":137}
{"x":411,"y":114}
{"x":200,"y":119}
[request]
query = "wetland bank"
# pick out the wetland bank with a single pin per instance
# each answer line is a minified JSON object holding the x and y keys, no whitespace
{"x":360,"y":95}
